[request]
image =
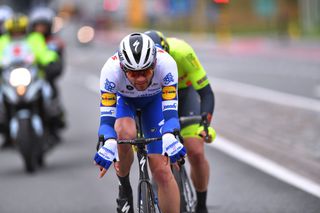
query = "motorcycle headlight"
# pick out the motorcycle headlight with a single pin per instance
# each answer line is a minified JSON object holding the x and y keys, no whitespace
{"x":20,"y":77}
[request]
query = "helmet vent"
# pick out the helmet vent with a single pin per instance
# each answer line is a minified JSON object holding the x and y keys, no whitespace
{"x":126,"y":56}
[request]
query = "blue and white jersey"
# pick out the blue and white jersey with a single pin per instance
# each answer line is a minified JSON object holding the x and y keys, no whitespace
{"x":113,"y":83}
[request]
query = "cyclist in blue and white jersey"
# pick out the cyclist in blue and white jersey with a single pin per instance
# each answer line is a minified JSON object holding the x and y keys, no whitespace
{"x":140,"y":76}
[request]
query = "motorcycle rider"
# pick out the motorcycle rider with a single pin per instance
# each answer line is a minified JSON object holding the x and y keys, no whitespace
{"x":5,"y":13}
{"x":140,"y":76}
{"x":195,"y":97}
{"x":41,"y":20}
{"x":16,"y":30}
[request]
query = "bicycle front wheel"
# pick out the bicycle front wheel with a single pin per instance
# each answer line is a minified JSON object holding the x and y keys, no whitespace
{"x":146,"y":198}
{"x":187,"y":198}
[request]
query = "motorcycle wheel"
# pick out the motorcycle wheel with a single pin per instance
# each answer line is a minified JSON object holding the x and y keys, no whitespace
{"x":29,"y":145}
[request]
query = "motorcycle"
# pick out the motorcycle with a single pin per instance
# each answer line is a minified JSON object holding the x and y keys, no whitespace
{"x":24,"y":93}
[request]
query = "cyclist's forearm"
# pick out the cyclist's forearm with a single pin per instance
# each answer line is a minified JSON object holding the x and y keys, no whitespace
{"x":207,"y":100}
{"x":171,"y":122}
{"x":106,"y":128}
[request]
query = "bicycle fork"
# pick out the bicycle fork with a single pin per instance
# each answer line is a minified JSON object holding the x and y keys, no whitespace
{"x":146,"y":196}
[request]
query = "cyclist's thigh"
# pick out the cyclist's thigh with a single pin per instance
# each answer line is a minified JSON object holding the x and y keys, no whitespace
{"x":124,"y":107}
{"x":152,"y":121}
{"x":125,"y":125}
{"x":194,"y":146}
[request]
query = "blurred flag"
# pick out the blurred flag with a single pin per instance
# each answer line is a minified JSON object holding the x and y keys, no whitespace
{"x":221,"y":1}
{"x":111,"y":5}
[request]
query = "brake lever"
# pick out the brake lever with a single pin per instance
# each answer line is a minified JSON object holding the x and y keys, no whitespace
{"x":181,"y":162}
{"x":180,"y":139}
{"x":204,"y":123}
{"x":100,"y":142}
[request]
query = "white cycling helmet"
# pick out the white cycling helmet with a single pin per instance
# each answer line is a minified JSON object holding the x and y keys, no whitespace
{"x":42,"y":15}
{"x":137,"y":52}
{"x":5,"y":13}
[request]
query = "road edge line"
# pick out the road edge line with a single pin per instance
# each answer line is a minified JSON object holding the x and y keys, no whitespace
{"x":264,"y":94}
{"x":265,"y":165}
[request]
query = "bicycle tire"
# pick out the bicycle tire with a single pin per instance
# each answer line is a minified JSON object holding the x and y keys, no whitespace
{"x":183,"y":203}
{"x":187,"y":198}
{"x":146,"y":198}
{"x":188,"y":191}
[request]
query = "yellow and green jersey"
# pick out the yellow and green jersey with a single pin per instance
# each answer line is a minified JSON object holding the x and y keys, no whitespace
{"x":190,"y":71}
{"x":36,"y":42}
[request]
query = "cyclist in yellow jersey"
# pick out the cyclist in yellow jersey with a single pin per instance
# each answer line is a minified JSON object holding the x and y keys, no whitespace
{"x":195,"y":97}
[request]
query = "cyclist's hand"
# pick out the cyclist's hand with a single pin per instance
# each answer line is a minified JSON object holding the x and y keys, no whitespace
{"x":106,"y":155}
{"x":211,"y":134}
{"x":172,"y":147}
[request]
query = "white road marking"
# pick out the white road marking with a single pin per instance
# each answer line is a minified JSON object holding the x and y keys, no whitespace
{"x":317,"y":91}
{"x":266,"y":165}
{"x":241,"y":154}
{"x":268,"y":95}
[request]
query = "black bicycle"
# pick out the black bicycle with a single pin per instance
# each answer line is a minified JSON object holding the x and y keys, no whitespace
{"x":188,"y":199}
{"x":147,"y":200}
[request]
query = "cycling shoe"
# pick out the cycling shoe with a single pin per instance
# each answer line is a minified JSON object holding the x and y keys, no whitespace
{"x":124,"y":201}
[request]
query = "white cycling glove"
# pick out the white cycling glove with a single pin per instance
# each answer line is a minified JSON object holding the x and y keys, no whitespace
{"x":107,"y":154}
{"x":172,"y":147}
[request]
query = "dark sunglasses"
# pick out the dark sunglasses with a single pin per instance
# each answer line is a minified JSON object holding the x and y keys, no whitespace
{"x":135,"y":74}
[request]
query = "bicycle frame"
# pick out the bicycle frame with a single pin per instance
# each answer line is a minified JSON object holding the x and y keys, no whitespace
{"x":146,"y":195}
{"x":147,"y":202}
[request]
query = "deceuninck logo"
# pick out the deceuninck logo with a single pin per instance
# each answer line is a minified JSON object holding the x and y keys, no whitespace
{"x":109,"y":85}
{"x":168,"y":78}
{"x":171,"y":106}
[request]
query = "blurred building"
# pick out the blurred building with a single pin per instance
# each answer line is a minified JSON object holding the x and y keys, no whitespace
{"x":310,"y":15}
{"x":284,"y":17}
{"x":291,"y":17}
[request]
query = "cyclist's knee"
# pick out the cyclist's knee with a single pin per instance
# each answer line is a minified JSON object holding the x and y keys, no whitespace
{"x":162,"y":176}
{"x":125,"y":128}
{"x":196,"y":155}
{"x":161,"y":171}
